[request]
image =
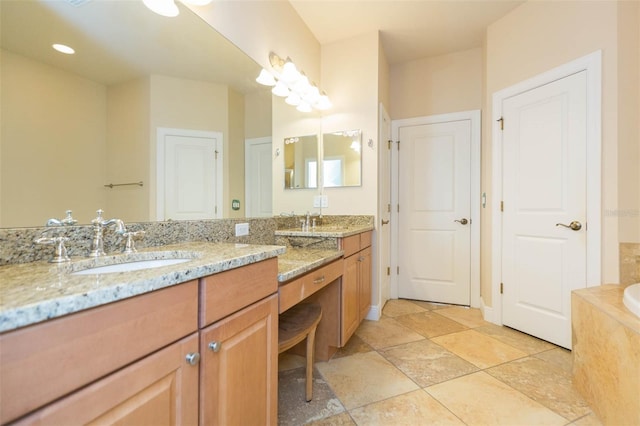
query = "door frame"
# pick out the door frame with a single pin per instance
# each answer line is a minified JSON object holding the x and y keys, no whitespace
{"x":475,"y":117}
{"x":592,"y":64}
{"x":161,"y":133}
{"x":248,"y":170}
{"x":384,"y":251}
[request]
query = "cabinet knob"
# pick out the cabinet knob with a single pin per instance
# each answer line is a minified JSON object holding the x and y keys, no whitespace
{"x":215,"y":346}
{"x":193,"y":358}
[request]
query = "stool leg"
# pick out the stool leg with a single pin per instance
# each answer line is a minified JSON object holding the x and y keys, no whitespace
{"x":310,"y":352}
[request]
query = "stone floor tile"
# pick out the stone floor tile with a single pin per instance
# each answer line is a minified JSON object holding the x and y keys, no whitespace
{"x":479,"y":349}
{"x":479,"y":399}
{"x":364,"y":378}
{"x":427,"y":363}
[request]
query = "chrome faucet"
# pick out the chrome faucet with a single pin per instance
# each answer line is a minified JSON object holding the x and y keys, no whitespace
{"x":67,"y":221}
{"x":97,"y":244}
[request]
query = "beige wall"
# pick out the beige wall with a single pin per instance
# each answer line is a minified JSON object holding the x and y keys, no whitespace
{"x":384,"y":80}
{"x":188,"y":104}
{"x":38,"y":157}
{"x":128,"y":136}
{"x":534,"y":38}
{"x":437,"y":85}
{"x":349,"y":75}
{"x":257,"y":113}
{"x":258,"y":27}
{"x":235,"y":155}
{"x":629,"y":121}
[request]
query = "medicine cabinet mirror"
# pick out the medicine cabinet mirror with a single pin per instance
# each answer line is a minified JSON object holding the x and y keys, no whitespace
{"x":301,"y":162}
{"x":342,"y":158}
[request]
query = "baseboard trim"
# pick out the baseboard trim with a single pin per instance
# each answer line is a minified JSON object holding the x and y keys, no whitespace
{"x":374,"y":314}
{"x":488,"y":313}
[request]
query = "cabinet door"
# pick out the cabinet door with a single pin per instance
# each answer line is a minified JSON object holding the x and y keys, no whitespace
{"x":364,"y":283}
{"x":239,"y":371}
{"x":350,"y":305}
{"x":161,"y":389}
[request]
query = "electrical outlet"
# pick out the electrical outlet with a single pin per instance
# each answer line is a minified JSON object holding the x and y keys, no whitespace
{"x":242,"y":229}
{"x":316,"y":201}
{"x":324,"y":201}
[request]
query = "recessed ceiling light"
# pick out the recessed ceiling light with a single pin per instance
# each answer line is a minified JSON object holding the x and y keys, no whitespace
{"x":64,"y":49}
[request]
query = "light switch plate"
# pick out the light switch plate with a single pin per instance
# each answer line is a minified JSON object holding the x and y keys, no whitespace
{"x":316,"y":201}
{"x":242,"y":229}
{"x":324,"y":201}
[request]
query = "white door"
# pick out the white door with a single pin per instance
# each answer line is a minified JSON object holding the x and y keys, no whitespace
{"x":189,"y":174}
{"x":434,"y":222}
{"x":544,"y":206}
{"x":258,"y":177}
{"x":384,"y":208}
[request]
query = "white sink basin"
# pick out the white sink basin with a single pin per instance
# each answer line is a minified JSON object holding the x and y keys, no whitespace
{"x":130,"y":266}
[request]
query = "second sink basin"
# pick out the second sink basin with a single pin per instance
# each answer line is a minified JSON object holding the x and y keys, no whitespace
{"x":130,"y":266}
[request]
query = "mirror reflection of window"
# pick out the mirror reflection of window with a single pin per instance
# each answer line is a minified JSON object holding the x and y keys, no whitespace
{"x":333,"y":172}
{"x":301,"y":162}
{"x":342,"y":158}
{"x":312,"y":174}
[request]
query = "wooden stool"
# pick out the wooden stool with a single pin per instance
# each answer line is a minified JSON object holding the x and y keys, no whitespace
{"x":294,"y":325}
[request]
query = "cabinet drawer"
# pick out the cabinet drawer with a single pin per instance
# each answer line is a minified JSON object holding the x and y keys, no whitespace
{"x":227,"y":292}
{"x":46,"y":361}
{"x":351,"y":245}
{"x":365,"y":240}
{"x":303,"y":287}
{"x":160,"y":387}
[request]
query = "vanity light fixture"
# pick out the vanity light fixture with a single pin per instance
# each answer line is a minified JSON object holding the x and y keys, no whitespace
{"x":290,"y":83}
{"x":169,"y":8}
{"x":63,"y":48}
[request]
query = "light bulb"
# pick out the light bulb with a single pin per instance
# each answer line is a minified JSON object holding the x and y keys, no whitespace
{"x":293,"y":99}
{"x":266,"y":78}
{"x":290,"y":73}
{"x":280,"y":89}
{"x":304,"y":107}
{"x":63,"y":48}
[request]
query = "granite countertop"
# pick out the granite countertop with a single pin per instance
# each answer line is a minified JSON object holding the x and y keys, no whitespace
{"x":298,"y":261}
{"x":38,"y":291}
{"x":334,"y":231}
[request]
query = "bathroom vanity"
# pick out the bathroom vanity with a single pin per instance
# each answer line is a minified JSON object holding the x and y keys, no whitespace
{"x":155,"y":358}
{"x":186,"y":343}
{"x":342,"y":287}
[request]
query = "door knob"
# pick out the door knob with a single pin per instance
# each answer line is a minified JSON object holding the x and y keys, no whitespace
{"x":575,"y":225}
{"x":463,"y":221}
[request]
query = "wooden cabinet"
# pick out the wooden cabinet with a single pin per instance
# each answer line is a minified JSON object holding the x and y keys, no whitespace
{"x":356,"y":283}
{"x":239,"y":364}
{"x":46,"y":361}
{"x":147,"y":359}
{"x":239,"y":369}
{"x":160,"y":389}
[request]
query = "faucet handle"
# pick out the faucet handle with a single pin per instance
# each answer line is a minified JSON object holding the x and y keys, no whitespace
{"x":60,"y":252}
{"x":98,"y":219}
{"x":69,"y":220}
{"x":130,"y":244}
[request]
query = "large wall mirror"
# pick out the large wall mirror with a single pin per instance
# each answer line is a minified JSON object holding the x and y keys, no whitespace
{"x":342,"y":158}
{"x":73,"y":123}
{"x":301,"y":162}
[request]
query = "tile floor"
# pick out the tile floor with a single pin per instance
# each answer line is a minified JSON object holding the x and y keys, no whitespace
{"x":424,"y":364}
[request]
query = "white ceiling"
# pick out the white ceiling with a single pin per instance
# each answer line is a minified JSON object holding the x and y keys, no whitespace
{"x":410,"y":29}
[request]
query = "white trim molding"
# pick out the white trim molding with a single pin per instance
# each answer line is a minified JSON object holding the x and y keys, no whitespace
{"x":475,"y":118}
